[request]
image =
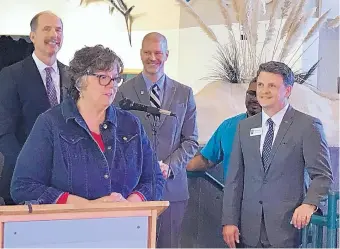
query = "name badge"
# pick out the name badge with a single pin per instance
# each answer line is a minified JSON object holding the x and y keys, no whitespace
{"x":255,"y":132}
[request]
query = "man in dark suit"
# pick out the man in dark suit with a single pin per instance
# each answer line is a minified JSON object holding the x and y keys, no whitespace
{"x":176,"y":137}
{"x":265,"y":201}
{"x":29,"y":88}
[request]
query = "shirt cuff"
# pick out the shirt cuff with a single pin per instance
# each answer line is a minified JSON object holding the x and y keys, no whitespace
{"x":141,"y":196}
{"x":63,"y":198}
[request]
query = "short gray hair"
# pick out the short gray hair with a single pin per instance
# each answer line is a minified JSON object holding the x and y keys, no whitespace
{"x":280,"y":68}
{"x":35,"y":19}
{"x":91,"y":60}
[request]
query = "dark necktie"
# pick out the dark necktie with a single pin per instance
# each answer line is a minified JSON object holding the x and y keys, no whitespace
{"x":50,"y":88}
{"x":154,"y":96}
{"x":267,"y":145}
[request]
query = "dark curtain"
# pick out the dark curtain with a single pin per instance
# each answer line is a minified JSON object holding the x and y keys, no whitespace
{"x":12,"y":51}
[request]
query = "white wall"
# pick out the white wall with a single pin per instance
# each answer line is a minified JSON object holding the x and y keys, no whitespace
{"x":329,"y":69}
{"x":191,"y":51}
{"x":91,"y":25}
{"x":328,"y":51}
{"x":333,"y":5}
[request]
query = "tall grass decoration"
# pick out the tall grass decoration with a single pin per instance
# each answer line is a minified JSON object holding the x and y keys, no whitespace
{"x":237,"y":60}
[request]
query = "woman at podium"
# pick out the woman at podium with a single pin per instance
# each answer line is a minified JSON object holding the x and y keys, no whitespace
{"x":85,"y":149}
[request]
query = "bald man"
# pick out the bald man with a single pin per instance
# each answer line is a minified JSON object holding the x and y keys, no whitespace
{"x":29,"y":88}
{"x":176,"y":138}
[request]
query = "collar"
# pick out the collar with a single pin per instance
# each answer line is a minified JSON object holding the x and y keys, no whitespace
{"x":277,"y":117}
{"x":41,"y":65}
{"x":70,"y":111}
{"x":149,"y":83}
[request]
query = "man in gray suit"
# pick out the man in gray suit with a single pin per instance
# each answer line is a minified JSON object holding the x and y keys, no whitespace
{"x":176,"y":138}
{"x":265,"y":201}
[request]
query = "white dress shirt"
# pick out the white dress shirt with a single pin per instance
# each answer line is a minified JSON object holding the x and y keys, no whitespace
{"x":277,"y":119}
{"x":54,"y":73}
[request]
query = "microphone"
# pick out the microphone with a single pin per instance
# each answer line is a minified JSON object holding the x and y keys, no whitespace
{"x":127,"y":104}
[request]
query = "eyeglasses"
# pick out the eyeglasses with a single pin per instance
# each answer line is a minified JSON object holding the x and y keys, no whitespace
{"x":251,"y":93}
{"x":105,"y":80}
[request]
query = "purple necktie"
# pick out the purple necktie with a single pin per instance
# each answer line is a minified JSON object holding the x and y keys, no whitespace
{"x":51,"y":92}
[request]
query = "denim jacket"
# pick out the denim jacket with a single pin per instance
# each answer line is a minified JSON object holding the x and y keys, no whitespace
{"x":60,"y":155}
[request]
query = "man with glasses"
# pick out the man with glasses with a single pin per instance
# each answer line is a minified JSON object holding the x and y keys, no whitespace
{"x":219,"y":146}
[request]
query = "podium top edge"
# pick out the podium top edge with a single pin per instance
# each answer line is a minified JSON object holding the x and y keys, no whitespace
{"x":160,"y":206}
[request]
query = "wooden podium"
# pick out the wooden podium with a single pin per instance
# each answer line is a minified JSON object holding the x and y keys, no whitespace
{"x":113,"y":225}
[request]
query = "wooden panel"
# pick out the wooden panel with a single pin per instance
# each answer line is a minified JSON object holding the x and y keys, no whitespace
{"x":152,"y":230}
{"x":132,"y":71}
{"x":160,"y":206}
{"x":1,"y":235}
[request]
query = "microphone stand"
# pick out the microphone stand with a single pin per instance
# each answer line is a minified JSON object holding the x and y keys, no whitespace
{"x":154,"y":126}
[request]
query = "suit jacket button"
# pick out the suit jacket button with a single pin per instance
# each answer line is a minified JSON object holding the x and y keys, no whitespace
{"x":261,"y":202}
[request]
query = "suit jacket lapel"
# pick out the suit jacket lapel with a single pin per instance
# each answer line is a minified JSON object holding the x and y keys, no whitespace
{"x":169,"y":92}
{"x":284,"y":126}
{"x":142,"y":93}
{"x":33,"y":75}
{"x":256,"y":140}
{"x":64,"y":81}
{"x":140,"y":89}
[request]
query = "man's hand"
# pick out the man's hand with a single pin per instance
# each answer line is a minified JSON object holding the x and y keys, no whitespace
{"x":199,"y":163}
{"x":302,"y":215}
{"x":231,"y":234}
{"x":165,"y":169}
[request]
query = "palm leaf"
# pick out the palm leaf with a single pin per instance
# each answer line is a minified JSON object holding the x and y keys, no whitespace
{"x":203,"y":25}
{"x":228,"y":67}
{"x":301,"y":78}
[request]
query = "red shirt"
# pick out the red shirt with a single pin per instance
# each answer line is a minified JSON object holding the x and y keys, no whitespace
{"x":99,"y":140}
{"x":63,"y":198}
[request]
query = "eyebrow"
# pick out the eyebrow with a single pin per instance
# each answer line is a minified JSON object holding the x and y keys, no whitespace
{"x":57,"y":27}
{"x":267,"y":83}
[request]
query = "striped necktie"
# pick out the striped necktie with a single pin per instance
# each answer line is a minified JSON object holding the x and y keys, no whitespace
{"x":50,"y":88}
{"x":154,"y":96}
{"x":267,"y":145}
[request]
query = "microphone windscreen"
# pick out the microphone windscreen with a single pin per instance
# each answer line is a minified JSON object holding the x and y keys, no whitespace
{"x":125,"y":104}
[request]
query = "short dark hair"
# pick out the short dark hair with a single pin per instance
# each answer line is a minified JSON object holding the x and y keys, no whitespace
{"x":253,"y":80}
{"x":91,"y":60}
{"x":35,"y":19}
{"x":280,"y":68}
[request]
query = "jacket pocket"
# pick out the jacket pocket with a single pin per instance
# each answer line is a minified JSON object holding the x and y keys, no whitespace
{"x":71,"y":139}
{"x":76,"y":158}
{"x":130,"y":160}
{"x":128,"y":146}
{"x":125,"y":139}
